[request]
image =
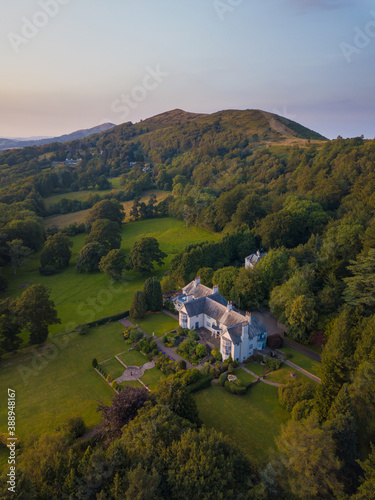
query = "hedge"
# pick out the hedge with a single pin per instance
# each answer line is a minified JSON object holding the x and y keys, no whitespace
{"x":203,"y":382}
{"x":108,"y":319}
{"x":234,"y":388}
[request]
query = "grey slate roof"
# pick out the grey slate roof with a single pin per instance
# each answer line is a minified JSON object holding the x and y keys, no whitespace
{"x":197,"y":291}
{"x":214,"y":306}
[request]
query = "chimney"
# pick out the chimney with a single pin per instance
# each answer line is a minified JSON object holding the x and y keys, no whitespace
{"x":215,"y":289}
{"x":197,"y":281}
{"x":229,"y":306}
{"x":258,"y":253}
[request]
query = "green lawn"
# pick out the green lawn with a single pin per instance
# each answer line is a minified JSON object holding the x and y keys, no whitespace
{"x":158,"y":323}
{"x":152,"y":377}
{"x":113,"y":368}
{"x":132,"y":383}
{"x":52,"y":388}
{"x":82,"y":195}
{"x":301,"y":360}
{"x":252,"y":421}
{"x":133,"y":358}
{"x":245,"y":377}
{"x":282,"y":375}
{"x":81,"y":298}
{"x":256,"y":368}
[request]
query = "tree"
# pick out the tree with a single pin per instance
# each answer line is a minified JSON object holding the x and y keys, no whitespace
{"x":153,"y":295}
{"x":124,"y":407}
{"x":293,"y":392}
{"x":143,"y":485}
{"x":178,"y":399}
{"x":367,"y":488}
{"x":206,"y":275}
{"x":56,"y":251}
{"x":168,"y":284}
{"x":138,"y":306}
{"x":134,"y":212}
{"x":29,"y":230}
{"x":201,"y":351}
{"x":90,"y":257}
{"x":144,"y":252}
{"x":248,"y":289}
{"x":103,"y":183}
{"x":105,"y":232}
{"x":18,"y":253}
{"x":36,"y":312}
{"x":361,"y":287}
{"x":203,"y":464}
{"x":106,"y":209}
{"x":307,"y":453}
{"x":113,"y":264}
{"x":10,"y":327}
{"x":225,"y":279}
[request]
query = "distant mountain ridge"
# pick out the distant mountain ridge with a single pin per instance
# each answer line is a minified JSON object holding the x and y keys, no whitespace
{"x":78,"y":134}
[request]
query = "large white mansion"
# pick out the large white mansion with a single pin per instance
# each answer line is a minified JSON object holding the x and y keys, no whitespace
{"x":200,"y":306}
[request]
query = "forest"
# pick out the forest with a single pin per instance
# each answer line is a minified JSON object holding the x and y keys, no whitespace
{"x":262,"y":182}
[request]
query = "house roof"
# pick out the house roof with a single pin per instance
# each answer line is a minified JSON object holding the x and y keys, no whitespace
{"x":197,"y":291}
{"x":255,"y":257}
{"x":214,"y":306}
{"x":255,"y":328}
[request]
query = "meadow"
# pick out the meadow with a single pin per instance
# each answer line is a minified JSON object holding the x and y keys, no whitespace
{"x":252,"y":421}
{"x":303,"y":361}
{"x":80,"y":298}
{"x":56,"y":381}
{"x":157,"y":323}
{"x":64,"y":220}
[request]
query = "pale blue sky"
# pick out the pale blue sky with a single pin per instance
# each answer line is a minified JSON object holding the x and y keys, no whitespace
{"x":282,"y":56}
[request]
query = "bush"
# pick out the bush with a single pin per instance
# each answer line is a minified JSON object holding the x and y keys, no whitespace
{"x":114,"y":384}
{"x":223,"y":378}
{"x":94,"y":363}
{"x":272,"y":364}
{"x":203,"y":382}
{"x":293,"y":392}
{"x":181,"y":365}
{"x":82,"y":329}
{"x":75,"y":427}
{"x":193,"y":335}
{"x":135,"y":335}
{"x":231,"y":368}
{"x":109,"y":379}
{"x":275,"y":341}
{"x":164,"y":339}
{"x":216,"y":354}
{"x":201,"y":351}
{"x":235,"y":388}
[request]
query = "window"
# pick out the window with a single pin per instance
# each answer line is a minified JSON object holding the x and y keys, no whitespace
{"x":227,"y":347}
{"x":184,"y":320}
{"x":208,"y":324}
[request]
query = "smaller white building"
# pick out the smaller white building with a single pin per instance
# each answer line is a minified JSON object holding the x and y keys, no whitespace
{"x":253,"y":259}
{"x":200,"y":306}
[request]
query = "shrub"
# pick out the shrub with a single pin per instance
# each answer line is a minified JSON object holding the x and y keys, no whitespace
{"x":94,"y":363}
{"x":231,"y":368}
{"x":114,"y":384}
{"x":273,"y":364}
{"x":223,"y":378}
{"x":135,"y":335}
{"x":201,"y":351}
{"x":275,"y":341}
{"x":216,"y":354}
{"x":109,"y":379}
{"x":293,"y":392}
{"x":181,"y":365}
{"x":164,"y":339}
{"x":235,"y":388}
{"x":82,"y":329}
{"x":203,"y":382}
{"x":193,"y":335}
{"x":75,"y":427}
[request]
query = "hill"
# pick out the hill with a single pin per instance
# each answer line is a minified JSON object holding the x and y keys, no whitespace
{"x":79,"y":134}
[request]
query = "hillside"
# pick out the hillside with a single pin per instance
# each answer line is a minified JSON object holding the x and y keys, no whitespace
{"x":79,"y":134}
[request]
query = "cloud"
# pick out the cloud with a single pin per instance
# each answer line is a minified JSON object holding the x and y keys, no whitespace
{"x":306,"y":5}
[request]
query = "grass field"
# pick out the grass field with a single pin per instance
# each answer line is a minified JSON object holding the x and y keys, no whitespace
{"x":52,"y":388}
{"x":80,"y":216}
{"x":132,"y":358}
{"x":152,"y":377}
{"x":256,"y":368}
{"x":158,"y":323}
{"x":303,"y":361}
{"x":82,"y":195}
{"x":245,"y":377}
{"x":282,"y":376}
{"x":132,"y":383}
{"x":80,"y":298}
{"x":252,"y":421}
{"x":113,"y":368}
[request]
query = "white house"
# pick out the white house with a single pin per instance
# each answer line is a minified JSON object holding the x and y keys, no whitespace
{"x":253,"y":259}
{"x":200,"y":306}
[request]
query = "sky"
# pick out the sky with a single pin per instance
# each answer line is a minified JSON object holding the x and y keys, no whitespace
{"x":73,"y":64}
